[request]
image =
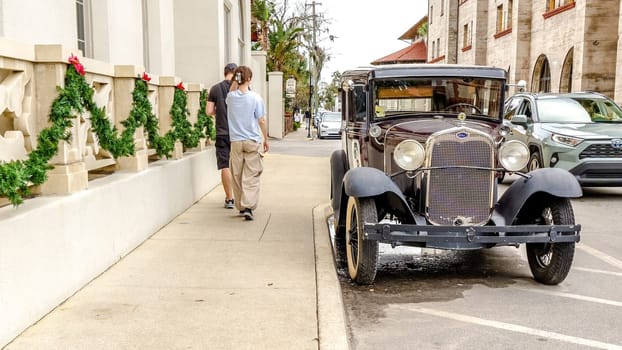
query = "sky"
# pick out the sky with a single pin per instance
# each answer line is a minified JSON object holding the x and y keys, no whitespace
{"x":365,"y":30}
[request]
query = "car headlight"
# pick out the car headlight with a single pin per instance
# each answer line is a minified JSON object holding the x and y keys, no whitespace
{"x":513,"y":155}
{"x":566,"y":140}
{"x":409,"y":155}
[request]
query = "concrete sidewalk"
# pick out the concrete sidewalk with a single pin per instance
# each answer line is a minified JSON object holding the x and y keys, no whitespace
{"x":211,"y":280}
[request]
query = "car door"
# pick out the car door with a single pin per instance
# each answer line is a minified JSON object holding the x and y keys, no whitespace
{"x":519,"y":106}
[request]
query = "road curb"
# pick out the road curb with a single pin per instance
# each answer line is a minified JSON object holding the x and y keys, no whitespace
{"x":330,"y":311}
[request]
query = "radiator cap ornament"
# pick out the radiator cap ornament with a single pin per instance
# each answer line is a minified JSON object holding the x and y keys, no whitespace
{"x":461,"y":116}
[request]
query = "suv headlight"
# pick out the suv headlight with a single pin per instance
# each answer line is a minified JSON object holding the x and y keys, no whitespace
{"x":566,"y":140}
{"x":513,"y":155}
{"x":409,"y":155}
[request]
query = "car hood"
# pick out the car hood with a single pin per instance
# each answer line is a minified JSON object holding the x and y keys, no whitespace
{"x":421,"y":129}
{"x":586,"y":130}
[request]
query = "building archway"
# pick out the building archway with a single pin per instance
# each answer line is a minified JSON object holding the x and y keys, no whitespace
{"x":541,"y":80}
{"x":565,"y":82}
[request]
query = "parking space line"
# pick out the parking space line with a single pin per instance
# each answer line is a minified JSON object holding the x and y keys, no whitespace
{"x":513,"y":328}
{"x":575,"y":296}
{"x":600,"y":255}
{"x":585,"y":269}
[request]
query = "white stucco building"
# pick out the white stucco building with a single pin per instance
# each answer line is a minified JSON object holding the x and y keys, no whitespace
{"x":191,"y":39}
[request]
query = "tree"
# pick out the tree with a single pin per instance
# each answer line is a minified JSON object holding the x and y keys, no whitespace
{"x":287,"y":36}
{"x":260,"y":11}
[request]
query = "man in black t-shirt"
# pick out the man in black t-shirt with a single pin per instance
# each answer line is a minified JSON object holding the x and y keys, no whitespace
{"x":216,"y":106}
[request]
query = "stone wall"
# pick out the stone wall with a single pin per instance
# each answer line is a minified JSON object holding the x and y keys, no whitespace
{"x":580,"y":38}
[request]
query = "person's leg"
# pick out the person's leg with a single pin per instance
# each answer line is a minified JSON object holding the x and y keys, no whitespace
{"x":223,"y":148}
{"x":252,"y":169}
{"x":227,"y":182}
{"x":236,"y":165}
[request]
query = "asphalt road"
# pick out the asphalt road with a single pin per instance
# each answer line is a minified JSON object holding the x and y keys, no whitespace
{"x":426,"y":299}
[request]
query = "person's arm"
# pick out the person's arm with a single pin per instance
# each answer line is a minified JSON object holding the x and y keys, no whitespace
{"x":264,"y":132}
{"x":210,"y":109}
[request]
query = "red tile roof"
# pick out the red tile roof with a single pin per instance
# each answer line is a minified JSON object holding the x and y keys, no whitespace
{"x":415,"y":53}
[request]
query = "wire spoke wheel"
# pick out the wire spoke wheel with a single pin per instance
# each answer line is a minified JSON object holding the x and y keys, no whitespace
{"x":551,"y":262}
{"x":362,"y":254}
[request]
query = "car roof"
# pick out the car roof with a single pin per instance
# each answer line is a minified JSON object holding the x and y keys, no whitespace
{"x":424,"y":69}
{"x":553,"y":95}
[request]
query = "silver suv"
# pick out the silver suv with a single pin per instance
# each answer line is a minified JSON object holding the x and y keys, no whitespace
{"x":579,"y":132}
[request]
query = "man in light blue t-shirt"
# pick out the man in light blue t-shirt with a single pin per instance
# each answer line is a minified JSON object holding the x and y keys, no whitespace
{"x":247,"y":133}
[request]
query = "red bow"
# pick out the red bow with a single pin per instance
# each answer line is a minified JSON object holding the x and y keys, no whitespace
{"x":146,"y":77}
{"x":180,"y":86}
{"x":76,"y":64}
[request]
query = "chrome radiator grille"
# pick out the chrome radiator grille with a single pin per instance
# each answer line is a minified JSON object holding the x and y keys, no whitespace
{"x":460,"y":196}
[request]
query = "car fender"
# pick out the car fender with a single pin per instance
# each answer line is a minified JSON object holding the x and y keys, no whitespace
{"x":371,"y":182}
{"x":338,"y":168}
{"x":554,"y":181}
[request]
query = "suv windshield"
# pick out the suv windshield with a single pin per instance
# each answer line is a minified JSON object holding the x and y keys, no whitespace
{"x":473,"y":96}
{"x":578,"y":110}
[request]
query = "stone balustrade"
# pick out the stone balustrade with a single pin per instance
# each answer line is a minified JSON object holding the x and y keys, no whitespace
{"x":29,"y":77}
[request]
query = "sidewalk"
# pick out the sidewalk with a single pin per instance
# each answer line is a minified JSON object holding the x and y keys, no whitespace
{"x":211,"y":280}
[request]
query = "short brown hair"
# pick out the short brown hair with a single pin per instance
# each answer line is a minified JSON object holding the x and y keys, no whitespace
{"x":230,"y":68}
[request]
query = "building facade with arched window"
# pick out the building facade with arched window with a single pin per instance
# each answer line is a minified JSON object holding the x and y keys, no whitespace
{"x":554,"y":45}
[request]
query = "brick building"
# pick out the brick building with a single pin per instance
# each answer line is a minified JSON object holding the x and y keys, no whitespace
{"x":554,"y":45}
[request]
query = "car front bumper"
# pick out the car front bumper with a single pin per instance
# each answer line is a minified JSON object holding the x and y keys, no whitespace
{"x":601,"y":173}
{"x":471,"y":237}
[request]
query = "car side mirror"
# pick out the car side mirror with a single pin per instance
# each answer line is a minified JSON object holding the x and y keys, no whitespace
{"x":519,"y":119}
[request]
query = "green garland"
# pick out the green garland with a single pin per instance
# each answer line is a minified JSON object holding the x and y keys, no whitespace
{"x":74,"y":98}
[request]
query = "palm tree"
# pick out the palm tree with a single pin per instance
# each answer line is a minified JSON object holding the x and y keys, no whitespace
{"x":260,"y":12}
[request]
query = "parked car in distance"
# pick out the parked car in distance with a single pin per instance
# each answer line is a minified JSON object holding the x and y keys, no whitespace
{"x":318,"y":117}
{"x":329,"y":125}
{"x":579,"y":132}
{"x":422,"y":145}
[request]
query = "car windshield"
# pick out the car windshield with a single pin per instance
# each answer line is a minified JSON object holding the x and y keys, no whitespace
{"x":331,"y":117}
{"x":578,"y":110}
{"x":601,"y":109}
{"x":473,"y":96}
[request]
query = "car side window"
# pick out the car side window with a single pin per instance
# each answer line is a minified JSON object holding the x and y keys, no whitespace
{"x":525,"y":109}
{"x":360,"y":103}
{"x":510,"y":108}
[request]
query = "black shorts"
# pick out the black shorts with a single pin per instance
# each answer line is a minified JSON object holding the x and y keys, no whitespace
{"x":223,"y":148}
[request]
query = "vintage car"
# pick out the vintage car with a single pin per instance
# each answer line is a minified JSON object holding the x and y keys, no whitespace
{"x":422,"y":148}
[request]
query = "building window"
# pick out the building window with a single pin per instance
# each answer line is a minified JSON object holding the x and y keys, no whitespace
{"x":541,"y":81}
{"x":227,"y":33}
{"x":565,"y":84}
{"x":442,"y":7}
{"x":504,"y":19}
{"x":553,"y":4}
{"x":466,"y":35}
{"x":431,"y":13}
{"x":83,"y":19}
{"x":500,"y":18}
{"x":438,"y":47}
{"x":145,"y":13}
{"x":433,"y":48}
{"x":242,"y":38}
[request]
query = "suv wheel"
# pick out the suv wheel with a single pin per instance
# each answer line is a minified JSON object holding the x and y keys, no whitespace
{"x":550,"y":262}
{"x":534,"y":162}
{"x":362,"y":254}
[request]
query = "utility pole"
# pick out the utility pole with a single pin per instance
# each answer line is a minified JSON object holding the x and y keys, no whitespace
{"x":311,"y":63}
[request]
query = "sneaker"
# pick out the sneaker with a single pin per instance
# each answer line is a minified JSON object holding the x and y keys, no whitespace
{"x":229,"y":203}
{"x":248,"y":214}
